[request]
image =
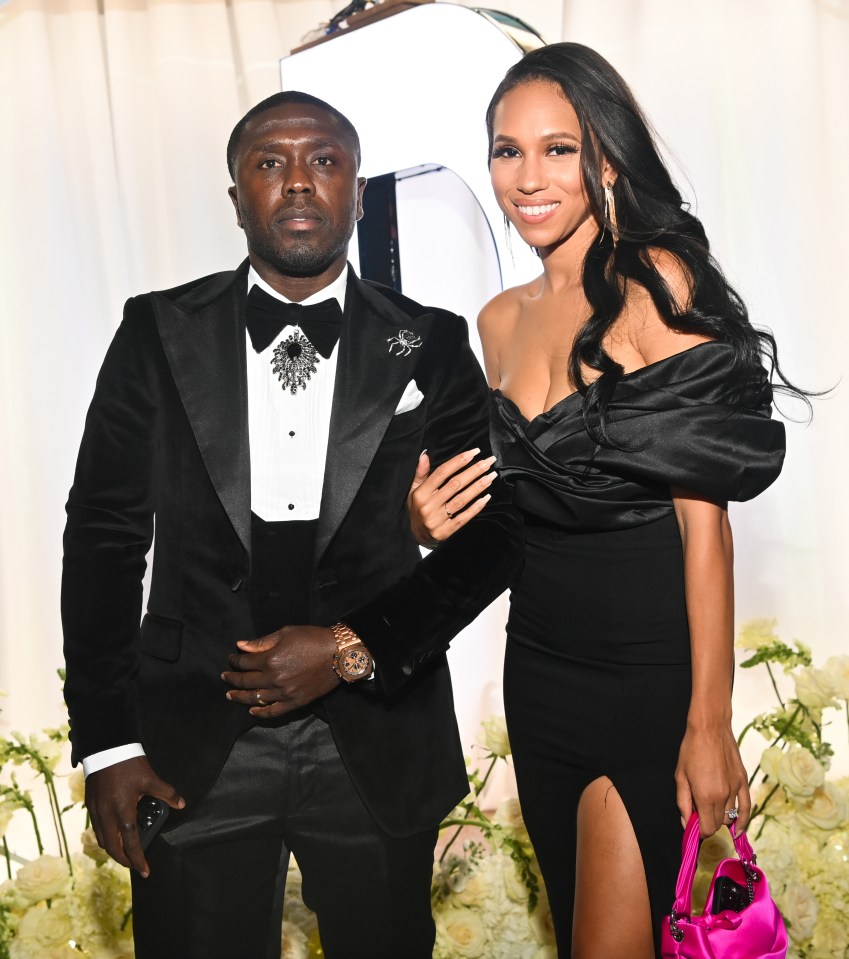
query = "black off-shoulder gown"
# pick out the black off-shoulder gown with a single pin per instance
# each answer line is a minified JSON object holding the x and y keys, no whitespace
{"x":597,"y":673}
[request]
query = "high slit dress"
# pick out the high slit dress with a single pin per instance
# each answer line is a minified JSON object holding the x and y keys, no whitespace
{"x":597,"y":672}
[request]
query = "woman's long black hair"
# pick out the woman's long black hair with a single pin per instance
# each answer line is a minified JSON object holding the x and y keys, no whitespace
{"x":651,"y":216}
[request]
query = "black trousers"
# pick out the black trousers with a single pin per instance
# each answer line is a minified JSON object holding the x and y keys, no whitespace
{"x":217,"y":879}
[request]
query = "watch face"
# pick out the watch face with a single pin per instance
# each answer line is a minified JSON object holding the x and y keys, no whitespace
{"x":356,"y":662}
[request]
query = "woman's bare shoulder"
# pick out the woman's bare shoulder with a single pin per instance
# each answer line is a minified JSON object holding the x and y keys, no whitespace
{"x":497,"y":322}
{"x":503,"y":309}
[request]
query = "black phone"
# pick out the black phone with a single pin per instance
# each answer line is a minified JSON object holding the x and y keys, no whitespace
{"x":150,"y":818}
{"x":728,"y":894}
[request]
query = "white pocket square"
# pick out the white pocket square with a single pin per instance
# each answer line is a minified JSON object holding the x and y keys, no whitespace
{"x":411,"y":398}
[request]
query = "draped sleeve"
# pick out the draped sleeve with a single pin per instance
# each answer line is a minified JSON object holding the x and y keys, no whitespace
{"x":669,"y":426}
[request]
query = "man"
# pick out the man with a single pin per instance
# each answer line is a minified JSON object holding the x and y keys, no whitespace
{"x":275,"y":453}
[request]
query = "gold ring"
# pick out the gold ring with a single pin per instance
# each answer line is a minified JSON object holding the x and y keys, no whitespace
{"x":259,"y":700}
{"x":449,"y":514}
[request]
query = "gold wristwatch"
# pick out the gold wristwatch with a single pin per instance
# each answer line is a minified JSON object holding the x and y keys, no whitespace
{"x":351,"y":661}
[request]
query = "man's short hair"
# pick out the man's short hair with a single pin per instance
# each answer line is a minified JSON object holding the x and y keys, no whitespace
{"x":282,"y":99}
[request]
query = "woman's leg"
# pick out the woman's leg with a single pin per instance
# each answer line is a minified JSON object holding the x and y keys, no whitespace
{"x":612,"y":918}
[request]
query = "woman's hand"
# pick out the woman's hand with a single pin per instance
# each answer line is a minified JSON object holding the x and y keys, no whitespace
{"x":711,"y":777}
{"x":441,"y":502}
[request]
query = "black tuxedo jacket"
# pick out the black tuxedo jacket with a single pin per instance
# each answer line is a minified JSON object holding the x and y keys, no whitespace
{"x":166,"y":439}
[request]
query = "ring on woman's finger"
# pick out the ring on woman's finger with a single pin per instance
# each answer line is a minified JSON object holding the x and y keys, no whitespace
{"x":259,"y":700}
{"x":448,"y":512}
{"x":732,"y":813}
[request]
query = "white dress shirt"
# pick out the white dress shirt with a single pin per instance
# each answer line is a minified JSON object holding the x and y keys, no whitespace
{"x":288,"y":434}
{"x":288,"y":444}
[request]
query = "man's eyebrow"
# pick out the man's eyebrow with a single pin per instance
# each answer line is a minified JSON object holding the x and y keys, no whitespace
{"x":314,"y":143}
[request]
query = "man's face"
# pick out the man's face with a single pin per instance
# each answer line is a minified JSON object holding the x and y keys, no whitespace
{"x":297,"y":194}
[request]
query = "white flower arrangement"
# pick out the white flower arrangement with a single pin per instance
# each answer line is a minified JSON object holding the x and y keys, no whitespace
{"x":489,"y":901}
{"x":63,"y":906}
{"x":69,"y":904}
{"x":800,"y":819}
{"x":488,"y":898}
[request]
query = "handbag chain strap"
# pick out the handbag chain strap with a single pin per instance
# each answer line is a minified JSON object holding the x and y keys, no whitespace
{"x":675,"y":931}
{"x":752,"y":876}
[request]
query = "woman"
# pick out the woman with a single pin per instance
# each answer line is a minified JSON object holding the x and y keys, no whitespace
{"x":629,"y":405}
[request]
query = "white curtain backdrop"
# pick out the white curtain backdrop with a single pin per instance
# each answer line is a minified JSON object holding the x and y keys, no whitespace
{"x":114,"y":117}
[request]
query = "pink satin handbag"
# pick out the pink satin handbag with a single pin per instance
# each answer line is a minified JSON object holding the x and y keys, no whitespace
{"x":740,"y":920}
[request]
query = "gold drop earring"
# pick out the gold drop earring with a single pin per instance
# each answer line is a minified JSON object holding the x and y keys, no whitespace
{"x":508,"y":238}
{"x":610,"y":212}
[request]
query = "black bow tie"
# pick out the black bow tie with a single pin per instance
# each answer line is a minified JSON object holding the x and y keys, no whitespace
{"x":266,"y":316}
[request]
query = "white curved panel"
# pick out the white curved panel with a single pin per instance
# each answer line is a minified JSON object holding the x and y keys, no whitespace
{"x":416,"y":86}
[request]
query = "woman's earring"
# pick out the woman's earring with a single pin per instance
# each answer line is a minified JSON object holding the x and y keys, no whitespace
{"x":610,"y":212}
{"x":508,"y":238}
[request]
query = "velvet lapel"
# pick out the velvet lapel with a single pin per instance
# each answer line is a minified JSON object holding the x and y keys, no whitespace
{"x":203,"y":334}
{"x":371,"y":376}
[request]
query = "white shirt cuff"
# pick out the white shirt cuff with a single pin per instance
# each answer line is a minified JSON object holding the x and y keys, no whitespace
{"x":108,"y":757}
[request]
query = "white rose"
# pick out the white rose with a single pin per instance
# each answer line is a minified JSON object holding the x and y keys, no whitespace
{"x":28,"y":926}
{"x":56,"y":926}
{"x":495,"y":737}
{"x":91,"y":847}
{"x":775,"y":853}
{"x":757,"y":633}
{"x":826,"y":809}
{"x":475,"y":890}
{"x":799,"y":907}
{"x":76,"y":785}
{"x":836,"y":671}
{"x":514,"y":885}
{"x":294,"y":944}
{"x":462,"y":932}
{"x":800,"y":772}
{"x":509,"y":817}
{"x":813,"y":689}
{"x":43,"y":878}
{"x":778,"y":806}
{"x":46,"y":927}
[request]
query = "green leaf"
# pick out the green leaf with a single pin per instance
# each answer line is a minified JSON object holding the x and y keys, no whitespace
{"x":779,"y":652}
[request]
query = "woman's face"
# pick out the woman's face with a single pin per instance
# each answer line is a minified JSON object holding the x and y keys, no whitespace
{"x":536,"y":165}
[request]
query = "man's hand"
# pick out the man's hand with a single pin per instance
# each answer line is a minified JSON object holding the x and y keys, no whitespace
{"x":283,"y":671}
{"x":112,"y":796}
{"x":441,"y":502}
